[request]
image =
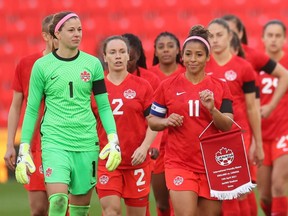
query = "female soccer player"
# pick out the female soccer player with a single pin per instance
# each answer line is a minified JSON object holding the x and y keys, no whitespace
{"x":66,"y":78}
{"x":272,"y":177}
{"x":166,"y":62}
{"x":260,"y":62}
{"x":130,"y":98}
{"x":137,"y":61}
{"x":185,"y":104}
{"x":241,"y":78}
{"x":36,"y":188}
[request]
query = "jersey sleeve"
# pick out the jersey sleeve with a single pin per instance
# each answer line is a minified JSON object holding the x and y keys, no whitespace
{"x":158,"y":107}
{"x":226,"y":106}
{"x":148,"y":99}
{"x":17,"y":84}
{"x":98,"y":71}
{"x":102,"y":101}
{"x":226,"y":91}
{"x":249,"y":79}
{"x":36,"y":89}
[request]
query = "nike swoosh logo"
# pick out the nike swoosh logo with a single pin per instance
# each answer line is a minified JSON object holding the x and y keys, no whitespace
{"x":52,"y":78}
{"x":139,"y":190}
{"x":180,"y":93}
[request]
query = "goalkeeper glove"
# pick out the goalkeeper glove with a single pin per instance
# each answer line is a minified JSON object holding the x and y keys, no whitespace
{"x":24,"y":161}
{"x":112,"y":149}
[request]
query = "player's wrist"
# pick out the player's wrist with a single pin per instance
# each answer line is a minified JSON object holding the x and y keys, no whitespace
{"x":213,"y":110}
{"x":113,"y":138}
{"x":24,"y":148}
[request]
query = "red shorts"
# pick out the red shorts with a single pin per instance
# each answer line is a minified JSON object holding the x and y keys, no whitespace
{"x":184,"y":180}
{"x":158,"y":166}
{"x":37,"y":182}
{"x":275,"y":149}
{"x":131,"y":184}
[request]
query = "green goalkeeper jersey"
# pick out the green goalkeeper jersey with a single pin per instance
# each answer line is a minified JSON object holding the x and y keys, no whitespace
{"x":66,"y":85}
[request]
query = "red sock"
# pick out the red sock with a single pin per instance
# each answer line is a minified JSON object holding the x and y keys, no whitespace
{"x":253,"y":204}
{"x":163,"y":213}
{"x":244,"y":206}
{"x":230,"y":208}
{"x":266,"y":208}
{"x":279,"y":206}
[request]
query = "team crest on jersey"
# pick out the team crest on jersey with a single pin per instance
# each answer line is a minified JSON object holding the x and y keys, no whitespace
{"x":103,"y":179}
{"x":48,"y":172}
{"x":178,"y":180}
{"x":224,"y":156}
{"x":230,"y":75}
{"x":129,"y":94}
{"x":85,"y":76}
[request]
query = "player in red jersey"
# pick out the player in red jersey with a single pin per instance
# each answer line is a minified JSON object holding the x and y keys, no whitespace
{"x":130,"y":98}
{"x":36,"y":188}
{"x":167,"y":55}
{"x":185,"y":104}
{"x":273,"y":175}
{"x":138,"y":67}
{"x":261,"y":62}
{"x":166,"y":62}
{"x":235,"y":46}
{"x":137,"y":61}
{"x":241,"y":79}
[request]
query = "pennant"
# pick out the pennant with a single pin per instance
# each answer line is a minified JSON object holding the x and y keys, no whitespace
{"x":226,"y":164}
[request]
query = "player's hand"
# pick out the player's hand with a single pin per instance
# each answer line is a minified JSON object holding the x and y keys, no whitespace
{"x":25,"y":165}
{"x":139,"y":155}
{"x":256,"y":154}
{"x":10,"y":157}
{"x":207,"y":99}
{"x":174,"y":120}
{"x":112,"y":151}
{"x":266,"y":110}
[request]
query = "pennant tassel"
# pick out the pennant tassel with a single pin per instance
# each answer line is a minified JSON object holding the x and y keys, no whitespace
{"x":233,"y":194}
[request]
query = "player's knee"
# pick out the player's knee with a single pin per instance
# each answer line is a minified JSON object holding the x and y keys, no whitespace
{"x":75,"y":210}
{"x":39,"y":208}
{"x":58,"y":204}
{"x":112,"y":210}
{"x":278,"y":186}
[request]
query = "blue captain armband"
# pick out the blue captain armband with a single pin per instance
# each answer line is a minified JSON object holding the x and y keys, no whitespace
{"x":158,"y":110}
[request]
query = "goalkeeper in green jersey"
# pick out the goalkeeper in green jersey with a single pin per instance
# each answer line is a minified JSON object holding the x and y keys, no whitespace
{"x":66,"y":79}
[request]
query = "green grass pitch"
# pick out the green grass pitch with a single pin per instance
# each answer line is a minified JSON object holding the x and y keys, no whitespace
{"x":14,"y":201}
